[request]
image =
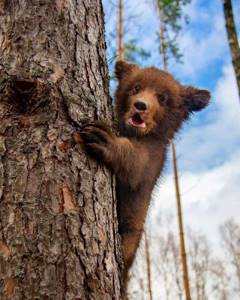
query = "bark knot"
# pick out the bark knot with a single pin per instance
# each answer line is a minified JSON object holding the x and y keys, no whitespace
{"x":26,"y":96}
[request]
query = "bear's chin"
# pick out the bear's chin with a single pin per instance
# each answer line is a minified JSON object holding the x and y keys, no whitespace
{"x":133,"y":131}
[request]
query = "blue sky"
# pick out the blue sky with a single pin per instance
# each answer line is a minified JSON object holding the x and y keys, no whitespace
{"x":209,"y":145}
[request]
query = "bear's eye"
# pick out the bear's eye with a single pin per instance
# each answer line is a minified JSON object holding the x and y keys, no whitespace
{"x":163,"y":98}
{"x":136,"y":88}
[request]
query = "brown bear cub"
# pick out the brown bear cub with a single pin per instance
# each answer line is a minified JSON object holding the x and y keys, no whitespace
{"x":151,"y":106}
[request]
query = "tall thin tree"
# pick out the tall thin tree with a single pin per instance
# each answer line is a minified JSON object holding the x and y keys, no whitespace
{"x":163,"y":48}
{"x":148,"y":265}
{"x":120,"y":30}
{"x":232,"y":39}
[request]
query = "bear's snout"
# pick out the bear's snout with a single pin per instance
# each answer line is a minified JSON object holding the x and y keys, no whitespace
{"x":140,"y":105}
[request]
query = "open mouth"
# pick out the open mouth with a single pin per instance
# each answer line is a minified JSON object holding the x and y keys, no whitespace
{"x":137,"y":121}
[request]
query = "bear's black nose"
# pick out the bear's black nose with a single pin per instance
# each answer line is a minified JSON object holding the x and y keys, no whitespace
{"x":140,"y":105}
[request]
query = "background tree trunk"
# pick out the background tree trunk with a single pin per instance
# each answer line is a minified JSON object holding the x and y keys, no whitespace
{"x":58,"y":223}
{"x":232,"y":39}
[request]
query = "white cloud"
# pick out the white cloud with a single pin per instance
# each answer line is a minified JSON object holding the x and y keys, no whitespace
{"x":209,"y":197}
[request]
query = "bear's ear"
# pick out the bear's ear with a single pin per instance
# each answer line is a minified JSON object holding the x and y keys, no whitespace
{"x":195,"y":99}
{"x":123,"y":69}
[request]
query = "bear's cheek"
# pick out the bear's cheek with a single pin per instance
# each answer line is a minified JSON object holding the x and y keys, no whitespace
{"x":153,"y":118}
{"x":157,"y":112}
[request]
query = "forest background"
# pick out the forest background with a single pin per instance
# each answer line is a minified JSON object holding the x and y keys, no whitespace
{"x":208,"y":152}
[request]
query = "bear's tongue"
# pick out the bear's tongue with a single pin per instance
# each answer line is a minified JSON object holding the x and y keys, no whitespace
{"x":137,"y":121}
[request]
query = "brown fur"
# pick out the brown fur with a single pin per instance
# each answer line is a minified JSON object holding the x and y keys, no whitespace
{"x":137,"y":155}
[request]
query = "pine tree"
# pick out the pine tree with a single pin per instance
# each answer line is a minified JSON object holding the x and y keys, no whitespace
{"x":58,"y":223}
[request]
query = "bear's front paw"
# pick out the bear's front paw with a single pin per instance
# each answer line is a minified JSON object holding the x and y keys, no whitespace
{"x":98,"y":141}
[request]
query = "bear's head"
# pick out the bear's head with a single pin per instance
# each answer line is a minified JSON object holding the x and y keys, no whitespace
{"x":151,"y":102}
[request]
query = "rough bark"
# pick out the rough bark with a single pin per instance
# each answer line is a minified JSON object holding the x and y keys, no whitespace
{"x":232,"y":39}
{"x":58,"y":224}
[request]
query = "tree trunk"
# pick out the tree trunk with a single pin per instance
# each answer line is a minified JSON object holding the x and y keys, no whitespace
{"x":232,"y":39}
{"x":58,"y":223}
{"x":148,"y":264}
